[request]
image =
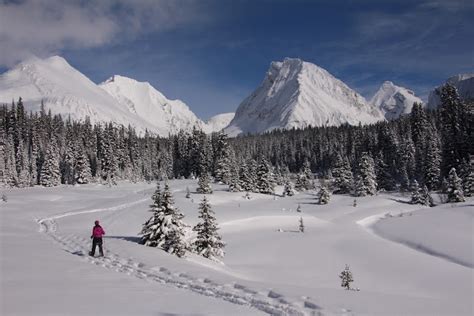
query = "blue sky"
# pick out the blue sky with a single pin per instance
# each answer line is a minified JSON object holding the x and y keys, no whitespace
{"x":212,"y":54}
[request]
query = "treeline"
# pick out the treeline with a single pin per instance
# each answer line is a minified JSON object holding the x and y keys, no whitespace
{"x":45,"y":149}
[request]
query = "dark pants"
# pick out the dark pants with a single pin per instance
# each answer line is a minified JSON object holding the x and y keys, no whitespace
{"x":97,"y":241}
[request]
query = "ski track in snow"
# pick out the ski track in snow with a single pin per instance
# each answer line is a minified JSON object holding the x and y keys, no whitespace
{"x":267,"y":301}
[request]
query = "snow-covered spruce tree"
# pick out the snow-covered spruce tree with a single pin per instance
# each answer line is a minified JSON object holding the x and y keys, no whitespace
{"x":223,"y":159}
{"x":10,"y":175}
{"x":342,"y":174}
{"x":50,"y":174}
{"x":432,"y":161}
{"x":303,"y":180}
{"x":426,"y":197}
{"x":82,"y":172}
{"x":416,"y":193}
{"x":246,"y":180}
{"x":323,"y":194}
{"x":455,"y":129}
{"x":301,"y":227}
{"x":208,"y":242}
{"x":468,"y":183}
{"x":365,"y":182}
{"x":265,"y":181}
{"x":22,"y":165}
{"x":165,"y":228}
{"x":346,"y":278}
{"x":204,"y":185}
{"x":155,"y":208}
{"x":289,"y":188}
{"x":454,"y":189}
{"x":234,"y":182}
{"x":467,"y":176}
{"x":2,"y":157}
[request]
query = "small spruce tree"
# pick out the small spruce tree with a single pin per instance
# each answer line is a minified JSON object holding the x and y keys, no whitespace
{"x":416,"y":194}
{"x":204,"y":185}
{"x":428,"y":200}
{"x":454,"y":188}
{"x":289,"y":188}
{"x":323,"y":195}
{"x":346,"y":278}
{"x":165,"y":228}
{"x":366,"y":183}
{"x":208,"y":242}
{"x":301,"y":227}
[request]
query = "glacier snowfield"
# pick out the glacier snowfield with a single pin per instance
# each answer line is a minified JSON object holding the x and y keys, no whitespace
{"x":405,"y":259}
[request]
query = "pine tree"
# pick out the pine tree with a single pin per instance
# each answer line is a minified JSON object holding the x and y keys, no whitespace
{"x":455,"y":129}
{"x":204,"y":185}
{"x":50,"y":174}
{"x":323,"y":195}
{"x":467,"y":175}
{"x":346,"y":278}
{"x":246,"y":181}
{"x":265,"y":182}
{"x":432,"y":162}
{"x":365,"y":183}
{"x":289,"y":188}
{"x":165,"y":228}
{"x":10,"y":175}
{"x":303,"y":180}
{"x":454,"y":189}
{"x":82,"y":172}
{"x":468,"y":183}
{"x":342,"y":174}
{"x":208,"y":242}
{"x":234,"y":182}
{"x":416,"y":194}
{"x":426,"y":197}
{"x":223,"y":165}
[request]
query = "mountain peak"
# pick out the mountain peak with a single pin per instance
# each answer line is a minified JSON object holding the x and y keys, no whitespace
{"x":394,"y":100}
{"x":66,"y":91}
{"x":298,"y":94}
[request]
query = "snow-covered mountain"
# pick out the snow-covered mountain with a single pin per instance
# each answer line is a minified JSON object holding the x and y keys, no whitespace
{"x":463,"y":82}
{"x":66,"y":91}
{"x":144,"y":101}
{"x":219,"y":122}
{"x":393,"y":100}
{"x":298,"y":94}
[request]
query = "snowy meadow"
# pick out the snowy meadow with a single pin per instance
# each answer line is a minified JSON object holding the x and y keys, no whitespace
{"x":405,"y":259}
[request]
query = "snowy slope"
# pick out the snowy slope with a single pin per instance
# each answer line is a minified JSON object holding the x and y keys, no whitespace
{"x":66,"y":91}
{"x":393,"y":100}
{"x":141,"y":99}
{"x":219,"y":121}
{"x":298,"y":94}
{"x":269,"y":266}
{"x":463,"y":82}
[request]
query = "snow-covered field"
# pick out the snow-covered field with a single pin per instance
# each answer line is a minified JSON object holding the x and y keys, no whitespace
{"x":420,"y":263}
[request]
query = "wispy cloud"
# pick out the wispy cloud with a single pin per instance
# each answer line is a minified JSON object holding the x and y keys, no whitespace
{"x":42,"y":27}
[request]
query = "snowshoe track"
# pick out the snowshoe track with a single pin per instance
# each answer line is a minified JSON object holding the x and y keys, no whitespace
{"x":267,"y":301}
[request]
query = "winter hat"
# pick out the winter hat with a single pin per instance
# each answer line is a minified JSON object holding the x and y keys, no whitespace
{"x":96,"y":222}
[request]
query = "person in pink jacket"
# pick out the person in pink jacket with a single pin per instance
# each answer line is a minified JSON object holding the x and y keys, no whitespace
{"x":97,"y":233}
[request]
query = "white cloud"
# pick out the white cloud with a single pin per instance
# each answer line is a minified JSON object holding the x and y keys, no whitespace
{"x":43,"y":27}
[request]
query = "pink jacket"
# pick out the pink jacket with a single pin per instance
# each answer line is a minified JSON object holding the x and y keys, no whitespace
{"x":97,"y":232}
